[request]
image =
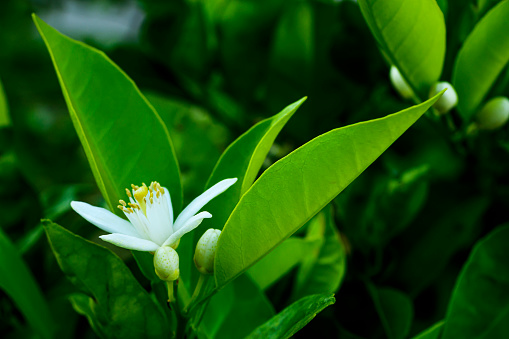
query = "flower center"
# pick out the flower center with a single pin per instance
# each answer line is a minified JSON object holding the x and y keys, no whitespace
{"x":141,"y":194}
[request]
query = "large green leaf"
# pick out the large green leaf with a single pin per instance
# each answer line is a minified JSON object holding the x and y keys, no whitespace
{"x":4,"y":109}
{"x":395,"y":310}
{"x":412,"y":36}
{"x":296,"y":187}
{"x":323,"y":269}
{"x":17,"y":281}
{"x":121,"y":308}
{"x":482,"y":58}
{"x":431,"y":333}
{"x":479,"y":305}
{"x":124,"y":138}
{"x":286,"y":323}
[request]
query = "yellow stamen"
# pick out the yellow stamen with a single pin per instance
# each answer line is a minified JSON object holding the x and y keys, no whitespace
{"x":139,"y":194}
{"x":122,"y":202}
{"x":128,"y":193}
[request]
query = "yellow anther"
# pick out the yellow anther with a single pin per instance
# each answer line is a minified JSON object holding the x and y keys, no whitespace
{"x":120,"y":207}
{"x":158,"y":194}
{"x":140,"y":195}
{"x":130,"y":210}
{"x":134,"y":206}
{"x":128,"y":193}
{"x":122,"y":202}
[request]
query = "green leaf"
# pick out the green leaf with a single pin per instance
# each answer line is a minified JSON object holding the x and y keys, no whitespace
{"x":296,"y":187}
{"x":286,"y":323}
{"x":431,"y":333}
{"x":124,"y":138}
{"x":412,"y":36}
{"x":481,"y":59}
{"x":17,"y":281}
{"x":479,"y":305}
{"x":323,"y":269}
{"x":243,"y":160}
{"x":280,"y":261}
{"x":395,"y":310}
{"x":4,"y":109}
{"x":236,"y":310}
{"x":121,"y":307}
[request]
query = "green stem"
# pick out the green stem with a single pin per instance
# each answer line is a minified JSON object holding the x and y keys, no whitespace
{"x":171,"y":296}
{"x":196,"y":292}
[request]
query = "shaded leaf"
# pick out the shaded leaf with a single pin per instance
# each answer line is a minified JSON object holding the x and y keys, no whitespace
{"x":395,"y":310}
{"x":120,"y":306}
{"x":236,"y":310}
{"x":479,"y":304}
{"x":289,"y":321}
{"x":17,"y":281}
{"x":4,"y":109}
{"x":431,"y":333}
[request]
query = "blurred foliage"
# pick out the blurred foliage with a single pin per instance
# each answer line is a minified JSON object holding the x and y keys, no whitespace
{"x":213,"y":69}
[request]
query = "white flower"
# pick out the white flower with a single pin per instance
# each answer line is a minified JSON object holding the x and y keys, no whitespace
{"x":150,"y":215}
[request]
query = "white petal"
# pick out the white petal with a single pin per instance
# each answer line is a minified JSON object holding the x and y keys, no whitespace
{"x":103,"y":218}
{"x":131,"y":243}
{"x":158,"y":219}
{"x":201,"y":200}
{"x":190,"y":225}
{"x":168,"y":202}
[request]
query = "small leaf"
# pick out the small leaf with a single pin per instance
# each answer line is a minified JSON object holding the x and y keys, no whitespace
{"x":412,"y":36}
{"x":431,"y":333}
{"x":236,"y":310}
{"x":481,"y":59}
{"x":286,"y":323}
{"x":298,"y":186}
{"x":479,"y":305}
{"x":4,"y":109}
{"x":395,"y":310}
{"x":323,"y":270}
{"x":280,"y":261}
{"x":17,"y":281}
{"x":121,"y":307}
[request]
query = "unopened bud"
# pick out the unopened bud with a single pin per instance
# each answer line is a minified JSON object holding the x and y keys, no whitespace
{"x":494,"y":114}
{"x":400,"y":84}
{"x":166,"y":263}
{"x":206,"y":251}
{"x":448,"y":100}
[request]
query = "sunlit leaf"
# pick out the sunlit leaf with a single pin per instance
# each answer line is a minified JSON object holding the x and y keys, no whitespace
{"x":482,"y":58}
{"x":124,"y":138}
{"x":412,"y":36}
{"x":296,"y":187}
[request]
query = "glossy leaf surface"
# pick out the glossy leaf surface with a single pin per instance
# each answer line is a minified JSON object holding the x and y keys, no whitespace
{"x":412,"y":36}
{"x":482,"y":58}
{"x":296,"y":187}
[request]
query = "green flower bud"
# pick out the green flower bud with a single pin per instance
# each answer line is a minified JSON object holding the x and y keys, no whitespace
{"x":448,"y":100}
{"x":166,"y":263}
{"x":206,"y":251}
{"x":400,"y":84}
{"x":494,"y":114}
